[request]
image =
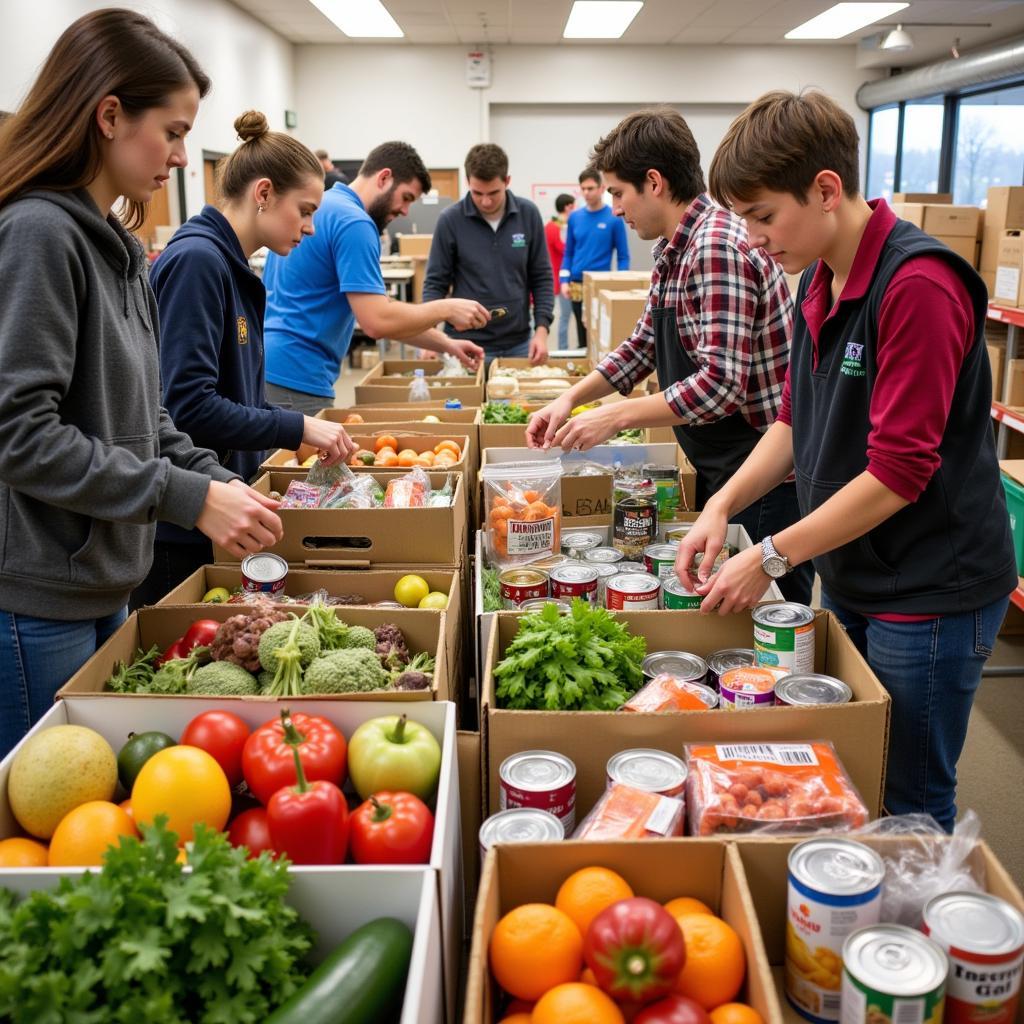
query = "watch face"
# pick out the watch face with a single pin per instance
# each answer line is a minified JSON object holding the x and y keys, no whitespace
{"x":775,"y":567}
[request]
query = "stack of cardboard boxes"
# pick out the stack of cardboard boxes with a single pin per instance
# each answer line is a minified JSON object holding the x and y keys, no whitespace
{"x":608,"y":320}
{"x":959,"y":227}
{"x":1001,"y":249}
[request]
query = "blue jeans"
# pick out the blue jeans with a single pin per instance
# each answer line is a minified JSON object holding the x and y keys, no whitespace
{"x":37,"y":657}
{"x":931,"y":670}
{"x":564,"y":318}
{"x":519,"y":350}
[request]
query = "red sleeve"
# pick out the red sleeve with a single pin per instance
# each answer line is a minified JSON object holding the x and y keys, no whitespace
{"x":925,"y":329}
{"x":785,"y":406}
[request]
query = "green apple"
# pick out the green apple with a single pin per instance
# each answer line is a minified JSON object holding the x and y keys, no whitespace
{"x":392,"y":753}
{"x":435,"y":599}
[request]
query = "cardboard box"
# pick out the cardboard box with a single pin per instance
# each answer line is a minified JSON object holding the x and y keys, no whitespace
{"x":414,"y":245}
{"x":608,"y":280}
{"x":573,"y":366}
{"x":996,"y":357}
{"x":418,"y":440}
{"x":942,"y":218}
{"x":963,"y":245}
{"x":922,"y":197}
{"x":381,"y":538}
{"x":470,"y":782}
{"x":386,"y":382}
{"x":1004,"y":209}
{"x":618,"y":313}
{"x":1009,"y":289}
{"x":859,"y":730}
{"x":424,"y":630}
{"x":532,"y":872}
{"x":322,"y":894}
{"x":1013,"y":384}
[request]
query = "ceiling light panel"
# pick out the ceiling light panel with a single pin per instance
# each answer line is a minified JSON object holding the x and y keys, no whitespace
{"x":360,"y":19}
{"x":600,"y":19}
{"x":842,"y":19}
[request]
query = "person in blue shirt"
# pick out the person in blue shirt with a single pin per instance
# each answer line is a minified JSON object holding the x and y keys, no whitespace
{"x":316,"y":294}
{"x":211,"y":317}
{"x":592,"y":236}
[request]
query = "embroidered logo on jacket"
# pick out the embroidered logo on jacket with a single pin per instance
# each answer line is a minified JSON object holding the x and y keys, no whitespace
{"x":243,"y":331}
{"x":853,"y":360}
{"x":519,"y":240}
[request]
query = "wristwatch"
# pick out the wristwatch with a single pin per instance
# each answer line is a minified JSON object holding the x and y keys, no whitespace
{"x":774,"y":564}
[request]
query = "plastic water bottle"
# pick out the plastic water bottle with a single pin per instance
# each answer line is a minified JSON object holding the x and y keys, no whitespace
{"x":418,"y":390}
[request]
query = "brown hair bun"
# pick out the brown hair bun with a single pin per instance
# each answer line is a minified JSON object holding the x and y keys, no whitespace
{"x":251,"y":125}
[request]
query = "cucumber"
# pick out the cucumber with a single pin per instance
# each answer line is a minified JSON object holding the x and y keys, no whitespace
{"x":360,"y":982}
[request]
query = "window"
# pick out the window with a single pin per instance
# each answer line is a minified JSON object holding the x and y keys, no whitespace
{"x":884,"y":137}
{"x":989,"y":144}
{"x":922,"y":145}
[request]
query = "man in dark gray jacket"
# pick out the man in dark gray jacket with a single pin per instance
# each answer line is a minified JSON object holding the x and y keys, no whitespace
{"x":490,"y":246}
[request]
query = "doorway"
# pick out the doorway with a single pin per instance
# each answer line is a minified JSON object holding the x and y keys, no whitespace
{"x":446,"y":181}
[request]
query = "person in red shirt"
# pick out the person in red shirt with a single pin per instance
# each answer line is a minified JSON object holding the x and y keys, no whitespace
{"x":885,"y":420}
{"x":554,"y":235}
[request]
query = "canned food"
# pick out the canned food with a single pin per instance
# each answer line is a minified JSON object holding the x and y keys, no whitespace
{"x":549,"y":562}
{"x":538,"y":604}
{"x":264,"y":573}
{"x":389,"y":604}
{"x":633,"y":591}
{"x":653,"y":771}
{"x":892,"y":975}
{"x":677,"y":596}
{"x":575,"y":544}
{"x":631,"y":567}
{"x":520,"y":825}
{"x":541,"y":779}
{"x":983,"y":936}
{"x":809,"y":689}
{"x":784,"y":636}
{"x":835,"y":887}
{"x":605,"y":572}
{"x":602,"y":556}
{"x":675,"y":534}
{"x":574,"y":579}
{"x":669,"y":493}
{"x":754,"y":687}
{"x":660,"y":560}
{"x":725,"y":659}
{"x":634,"y":516}
{"x":691,"y":668}
{"x":519,"y":585}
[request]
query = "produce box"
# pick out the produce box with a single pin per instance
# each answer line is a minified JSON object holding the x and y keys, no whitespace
{"x":505,"y":435}
{"x":859,"y":730}
{"x":433,"y":890}
{"x":381,"y":538}
{"x":382,"y":385}
{"x":417,"y":441}
{"x":707,"y":870}
{"x":573,"y":365}
{"x":764,"y":865}
{"x":424,"y":630}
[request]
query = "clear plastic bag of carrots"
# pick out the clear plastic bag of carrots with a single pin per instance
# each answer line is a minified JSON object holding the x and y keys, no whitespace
{"x":522,"y":511}
{"x":623,"y":812}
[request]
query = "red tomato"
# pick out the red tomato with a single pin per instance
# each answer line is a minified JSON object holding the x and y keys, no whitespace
{"x":269,"y":765}
{"x":251,"y":829}
{"x":199,"y":634}
{"x":172,"y":652}
{"x":673,"y":1009}
{"x":222,"y":735}
{"x":392,"y":828}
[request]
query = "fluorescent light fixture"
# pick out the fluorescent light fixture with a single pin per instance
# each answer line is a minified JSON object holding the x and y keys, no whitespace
{"x":360,"y":19}
{"x":600,"y":19}
{"x":842,"y":19}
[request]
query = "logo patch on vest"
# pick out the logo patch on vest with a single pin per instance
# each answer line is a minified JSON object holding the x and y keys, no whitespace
{"x":853,"y":360}
{"x":243,"y":331}
{"x":519,"y":241}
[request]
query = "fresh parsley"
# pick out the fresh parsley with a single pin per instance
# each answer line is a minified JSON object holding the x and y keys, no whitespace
{"x":504,"y":412}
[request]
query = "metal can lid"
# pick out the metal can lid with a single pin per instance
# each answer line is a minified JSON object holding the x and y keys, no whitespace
{"x":661,"y":552}
{"x":537,"y":770}
{"x":530,"y":577}
{"x":635,"y":583}
{"x":574,"y":572}
{"x":809,"y":688}
{"x":730,"y":657}
{"x":632,"y":567}
{"x":521,"y":825}
{"x":653,"y":771}
{"x":388,"y":604}
{"x":264,"y":567}
{"x":838,"y":867}
{"x":975,"y":922}
{"x":895,"y":959}
{"x":784,"y":613}
{"x":674,"y":585}
{"x":606,"y":571}
{"x":603,"y":555}
{"x":536,"y":604}
{"x":681,"y":664}
{"x":581,"y":540}
{"x":549,"y":562}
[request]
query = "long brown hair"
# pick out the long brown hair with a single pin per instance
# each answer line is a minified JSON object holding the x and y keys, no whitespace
{"x":53,"y":141}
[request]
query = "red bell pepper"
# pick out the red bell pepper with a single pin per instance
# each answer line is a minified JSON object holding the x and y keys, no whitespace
{"x":308,"y":822}
{"x":635,"y":949}
{"x":199,"y":634}
{"x":673,"y":1009}
{"x":392,"y":828}
{"x":172,"y":652}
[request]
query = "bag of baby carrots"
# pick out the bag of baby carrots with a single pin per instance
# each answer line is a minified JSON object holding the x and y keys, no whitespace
{"x":522,"y":511}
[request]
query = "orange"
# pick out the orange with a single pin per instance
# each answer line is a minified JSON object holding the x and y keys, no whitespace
{"x":451,"y":446}
{"x":533,"y":948}
{"x":126,"y":806}
{"x":576,"y":1004}
{"x":715,"y":961}
{"x":386,"y":459}
{"x":735,"y":1013}
{"x":585,"y":893}
{"x":386,"y":441}
{"x":22,"y":853}
{"x":354,"y":417}
{"x":83,"y":835}
{"x":407,"y":457}
{"x":687,"y":905}
{"x":517,"y":1018}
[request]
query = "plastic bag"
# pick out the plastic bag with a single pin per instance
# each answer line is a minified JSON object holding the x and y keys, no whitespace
{"x":409,"y":491}
{"x":778,"y":788}
{"x":442,"y":497}
{"x":301,"y":495}
{"x":452,"y":367}
{"x":523,"y":511}
{"x":353,"y":492}
{"x":623,"y":812}
{"x":667,"y":693}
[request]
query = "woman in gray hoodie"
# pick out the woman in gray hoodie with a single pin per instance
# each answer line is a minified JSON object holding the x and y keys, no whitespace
{"x":89,"y":460}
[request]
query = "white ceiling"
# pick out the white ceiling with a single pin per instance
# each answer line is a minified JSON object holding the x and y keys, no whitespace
{"x":660,"y":22}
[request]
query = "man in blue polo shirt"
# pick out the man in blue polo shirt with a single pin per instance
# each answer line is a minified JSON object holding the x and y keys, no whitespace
{"x":591,"y":237}
{"x":316,"y":294}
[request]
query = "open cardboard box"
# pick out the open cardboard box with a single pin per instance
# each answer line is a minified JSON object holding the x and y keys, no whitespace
{"x":370,"y":886}
{"x":364,"y":538}
{"x":505,"y":435}
{"x":765,"y":867}
{"x":418,"y":440}
{"x":385,"y":383}
{"x":424,"y":630}
{"x":661,"y":870}
{"x":471,"y":783}
{"x":859,"y":730}
{"x":574,"y":366}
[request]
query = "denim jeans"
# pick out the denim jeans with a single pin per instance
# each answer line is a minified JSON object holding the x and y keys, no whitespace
{"x":37,"y":657}
{"x":772,"y":514}
{"x":931,"y":670}
{"x":564,"y":317}
{"x":519,"y":350}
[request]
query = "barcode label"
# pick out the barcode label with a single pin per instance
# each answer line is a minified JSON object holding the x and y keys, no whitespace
{"x":830,"y":1005}
{"x":664,"y":816}
{"x":907,"y":1011}
{"x":767,"y":753}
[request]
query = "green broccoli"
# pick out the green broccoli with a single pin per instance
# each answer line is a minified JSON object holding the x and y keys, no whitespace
{"x":223,"y":679}
{"x":358,"y":637}
{"x":277,"y":636}
{"x":330,"y":629}
{"x":351,"y":671}
{"x":265,"y":679}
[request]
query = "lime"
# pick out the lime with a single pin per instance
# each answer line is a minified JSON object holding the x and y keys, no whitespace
{"x":435,"y":599}
{"x":141,"y":746}
{"x":216,"y":595}
{"x":411,"y":590}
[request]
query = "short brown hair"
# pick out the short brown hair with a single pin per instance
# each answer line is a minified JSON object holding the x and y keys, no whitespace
{"x":590,"y":174}
{"x":781,"y":142}
{"x":265,"y":154}
{"x":486,"y":161}
{"x":655,"y":139}
{"x":401,"y":159}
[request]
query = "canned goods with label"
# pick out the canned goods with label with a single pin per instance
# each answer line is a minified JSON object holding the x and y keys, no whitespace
{"x":604,"y":573}
{"x":677,"y":596}
{"x":520,"y":825}
{"x":810,"y":689}
{"x":784,"y":636}
{"x":538,"y":604}
{"x":653,"y":771}
{"x":548,"y":562}
{"x":631,"y":567}
{"x":727,"y":658}
{"x":660,"y":560}
{"x":633,"y":591}
{"x":574,"y":579}
{"x":542,"y":779}
{"x":668,"y":491}
{"x":742,"y":688}
{"x":892,"y":975}
{"x":575,"y":544}
{"x":691,"y":668}
{"x":519,"y":585}
{"x":835,"y":887}
{"x":634,"y":517}
{"x":602,"y":556}
{"x":264,"y":573}
{"x":983,"y":936}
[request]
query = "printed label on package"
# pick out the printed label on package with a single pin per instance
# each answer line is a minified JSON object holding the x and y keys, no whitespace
{"x":767,"y":753}
{"x":530,"y":538}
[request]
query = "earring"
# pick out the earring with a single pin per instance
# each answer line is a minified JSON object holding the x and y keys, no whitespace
{"x":110,"y":135}
{"x":259,"y":208}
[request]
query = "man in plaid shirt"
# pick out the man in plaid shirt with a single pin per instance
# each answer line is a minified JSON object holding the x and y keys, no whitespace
{"x":716,"y":327}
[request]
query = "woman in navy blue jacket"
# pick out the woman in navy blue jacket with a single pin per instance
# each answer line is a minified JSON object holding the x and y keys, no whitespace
{"x":211,"y":319}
